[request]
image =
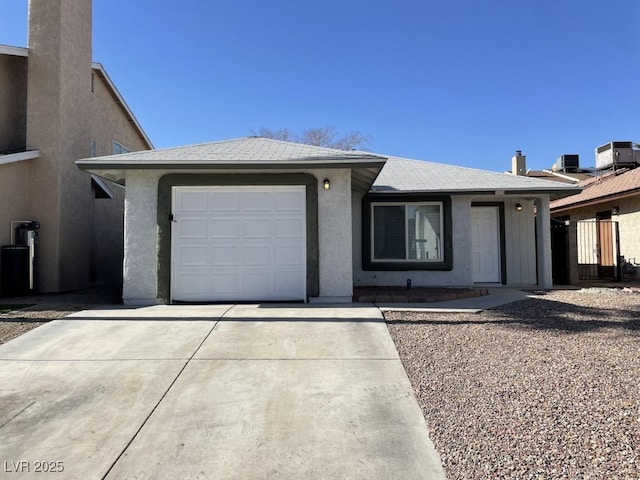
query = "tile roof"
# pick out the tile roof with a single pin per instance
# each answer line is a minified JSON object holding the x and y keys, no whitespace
{"x":602,"y":188}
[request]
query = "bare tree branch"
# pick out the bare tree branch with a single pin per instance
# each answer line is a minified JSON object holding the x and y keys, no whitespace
{"x":319,"y":137}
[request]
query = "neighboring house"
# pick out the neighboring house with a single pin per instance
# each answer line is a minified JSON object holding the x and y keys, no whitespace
{"x":256,"y":219}
{"x":57,"y":106}
{"x":598,"y":229}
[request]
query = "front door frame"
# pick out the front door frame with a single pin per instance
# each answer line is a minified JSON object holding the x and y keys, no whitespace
{"x":501,"y":236}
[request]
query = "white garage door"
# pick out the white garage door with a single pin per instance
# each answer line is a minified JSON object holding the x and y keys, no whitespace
{"x":238,"y":243}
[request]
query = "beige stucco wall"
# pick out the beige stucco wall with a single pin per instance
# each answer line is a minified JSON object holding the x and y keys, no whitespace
{"x":141,"y":241}
{"x":61,"y":118}
{"x":13,"y":102}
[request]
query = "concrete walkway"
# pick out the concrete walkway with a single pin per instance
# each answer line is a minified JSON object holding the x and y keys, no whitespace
{"x":219,"y":392}
{"x":496,"y":297}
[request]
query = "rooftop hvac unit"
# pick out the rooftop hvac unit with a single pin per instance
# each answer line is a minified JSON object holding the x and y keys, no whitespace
{"x":567,"y":163}
{"x":617,"y":155}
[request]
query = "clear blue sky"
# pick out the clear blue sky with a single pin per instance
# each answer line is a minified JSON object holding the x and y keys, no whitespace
{"x":454,"y":81}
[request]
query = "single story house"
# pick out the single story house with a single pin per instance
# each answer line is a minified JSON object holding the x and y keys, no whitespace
{"x":254,"y":219}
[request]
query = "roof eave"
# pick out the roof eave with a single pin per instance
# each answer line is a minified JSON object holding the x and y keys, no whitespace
{"x":116,"y":171}
{"x":554,"y":193}
{"x":596,"y":201}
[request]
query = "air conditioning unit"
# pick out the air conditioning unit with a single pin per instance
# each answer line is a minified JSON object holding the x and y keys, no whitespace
{"x":617,"y":155}
{"x":567,"y":163}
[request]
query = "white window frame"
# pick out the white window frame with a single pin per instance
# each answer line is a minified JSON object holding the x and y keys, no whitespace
{"x":406,"y":230}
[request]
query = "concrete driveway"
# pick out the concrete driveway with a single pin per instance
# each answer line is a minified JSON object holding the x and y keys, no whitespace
{"x":211,"y":392}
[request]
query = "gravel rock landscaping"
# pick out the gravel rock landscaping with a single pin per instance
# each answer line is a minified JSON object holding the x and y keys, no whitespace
{"x":544,"y":388}
{"x":42,"y":309}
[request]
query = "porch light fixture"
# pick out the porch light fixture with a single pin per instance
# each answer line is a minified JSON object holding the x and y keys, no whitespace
{"x":518,"y":207}
{"x":327,"y":184}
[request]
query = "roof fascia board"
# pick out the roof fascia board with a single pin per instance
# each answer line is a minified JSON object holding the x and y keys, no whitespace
{"x":507,"y":192}
{"x":566,"y":177}
{"x":103,"y":186}
{"x":120,"y":99}
{"x":280,"y":165}
{"x":19,"y":157}
{"x":15,"y":51}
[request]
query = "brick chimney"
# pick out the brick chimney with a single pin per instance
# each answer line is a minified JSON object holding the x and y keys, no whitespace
{"x":519,"y":163}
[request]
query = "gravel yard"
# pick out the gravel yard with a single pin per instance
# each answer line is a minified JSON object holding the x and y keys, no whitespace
{"x":41,"y":309}
{"x":545,"y":388}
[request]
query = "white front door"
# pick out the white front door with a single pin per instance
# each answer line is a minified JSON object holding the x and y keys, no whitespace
{"x":238,"y":243}
{"x":485,"y":244}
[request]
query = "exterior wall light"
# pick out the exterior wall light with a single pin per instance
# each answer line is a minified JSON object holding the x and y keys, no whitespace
{"x":327,"y":184}
{"x":518,"y":207}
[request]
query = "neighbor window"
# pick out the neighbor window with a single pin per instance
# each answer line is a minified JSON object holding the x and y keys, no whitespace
{"x":407,"y":232}
{"x":118,"y":148}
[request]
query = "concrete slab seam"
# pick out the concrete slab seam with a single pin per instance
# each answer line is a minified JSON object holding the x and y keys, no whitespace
{"x":162,"y":397}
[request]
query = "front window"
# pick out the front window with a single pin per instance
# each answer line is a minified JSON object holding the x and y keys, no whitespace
{"x":407,"y":232}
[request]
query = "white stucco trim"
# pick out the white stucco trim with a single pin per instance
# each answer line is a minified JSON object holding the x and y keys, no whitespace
{"x":19,"y":157}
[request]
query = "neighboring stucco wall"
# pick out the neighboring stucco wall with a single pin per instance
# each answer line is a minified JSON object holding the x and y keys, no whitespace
{"x":141,"y":235}
{"x":109,"y":122}
{"x":13,"y":102}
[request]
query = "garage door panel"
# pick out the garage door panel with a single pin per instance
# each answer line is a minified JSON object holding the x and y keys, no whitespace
{"x":249,"y":244}
{"x":225,"y":201}
{"x":258,"y":202}
{"x":225,"y":255}
{"x":194,"y":283}
{"x":225,"y":283}
{"x":193,"y":255}
{"x":289,"y":255}
{"x":224,"y":228}
{"x":195,"y":228}
{"x":256,"y":228}
{"x":193,"y":202}
{"x":257,"y":281}
{"x":289,"y":202}
{"x":289,"y":228}
{"x":257,"y":256}
{"x":288,"y":279}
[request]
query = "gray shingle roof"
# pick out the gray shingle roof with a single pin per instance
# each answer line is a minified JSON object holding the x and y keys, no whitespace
{"x":406,"y":175}
{"x":397,"y":175}
{"x":250,"y":150}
